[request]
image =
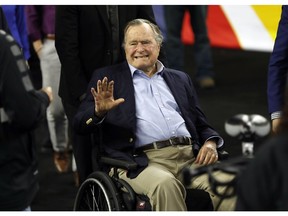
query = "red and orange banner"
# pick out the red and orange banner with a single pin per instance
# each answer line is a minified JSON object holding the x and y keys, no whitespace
{"x":244,"y":27}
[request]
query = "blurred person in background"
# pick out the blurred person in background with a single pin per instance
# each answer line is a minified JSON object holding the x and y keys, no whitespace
{"x":277,"y":71}
{"x":41,"y":30}
{"x":3,"y":22}
{"x":174,"y":15}
{"x":21,"y":108}
{"x":16,"y":19}
{"x":89,"y":37}
{"x":263,"y":186}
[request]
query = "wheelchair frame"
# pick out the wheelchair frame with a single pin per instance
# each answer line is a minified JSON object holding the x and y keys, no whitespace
{"x":101,"y":192}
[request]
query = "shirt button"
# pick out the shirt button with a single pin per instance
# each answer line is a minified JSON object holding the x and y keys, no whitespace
{"x":131,"y":140}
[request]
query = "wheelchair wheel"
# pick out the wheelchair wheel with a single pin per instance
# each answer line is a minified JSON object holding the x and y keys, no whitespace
{"x":97,"y":193}
{"x":128,"y":195}
{"x":130,"y":200}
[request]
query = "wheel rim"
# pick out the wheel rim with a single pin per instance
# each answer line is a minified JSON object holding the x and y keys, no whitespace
{"x":92,"y":196}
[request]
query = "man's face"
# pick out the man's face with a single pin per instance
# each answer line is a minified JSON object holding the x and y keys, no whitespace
{"x":141,"y":48}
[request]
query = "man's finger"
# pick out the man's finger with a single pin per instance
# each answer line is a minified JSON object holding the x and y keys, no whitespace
{"x":93,"y":91}
{"x":119,"y":101}
{"x":199,"y":158}
{"x":111,"y":86}
{"x":99,"y":86}
{"x":105,"y":84}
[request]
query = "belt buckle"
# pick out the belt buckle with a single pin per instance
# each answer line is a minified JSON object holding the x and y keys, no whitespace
{"x":171,"y":142}
{"x":155,"y":145}
{"x":189,"y":140}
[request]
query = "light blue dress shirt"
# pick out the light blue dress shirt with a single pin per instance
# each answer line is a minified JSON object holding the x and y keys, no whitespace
{"x":157,"y":114}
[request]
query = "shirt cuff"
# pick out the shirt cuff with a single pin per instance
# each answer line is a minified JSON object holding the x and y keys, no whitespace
{"x":276,"y":115}
{"x":219,"y":142}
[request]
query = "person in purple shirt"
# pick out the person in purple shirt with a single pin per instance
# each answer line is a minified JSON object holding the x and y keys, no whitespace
{"x":41,"y":30}
{"x":15,"y":16}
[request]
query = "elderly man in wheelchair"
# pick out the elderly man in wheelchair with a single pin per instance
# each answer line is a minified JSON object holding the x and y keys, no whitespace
{"x":148,"y":115}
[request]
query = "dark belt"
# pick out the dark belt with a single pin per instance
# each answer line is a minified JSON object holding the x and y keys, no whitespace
{"x":165,"y":143}
{"x":50,"y":36}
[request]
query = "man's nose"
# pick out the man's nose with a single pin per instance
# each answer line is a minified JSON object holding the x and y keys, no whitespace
{"x":140,"y":47}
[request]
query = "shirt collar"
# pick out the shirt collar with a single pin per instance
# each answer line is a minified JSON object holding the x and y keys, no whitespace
{"x":160,"y":68}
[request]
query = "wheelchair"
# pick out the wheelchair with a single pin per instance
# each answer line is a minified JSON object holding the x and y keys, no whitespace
{"x":102,"y":192}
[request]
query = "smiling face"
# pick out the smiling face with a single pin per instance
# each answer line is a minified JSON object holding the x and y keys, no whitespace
{"x":141,"y":48}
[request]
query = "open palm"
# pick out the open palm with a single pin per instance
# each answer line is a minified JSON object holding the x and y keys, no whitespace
{"x":104,"y":97}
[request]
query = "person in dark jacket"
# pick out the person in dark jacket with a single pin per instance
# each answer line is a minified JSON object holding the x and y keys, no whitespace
{"x":263,"y":186}
{"x":151,"y":115}
{"x":89,"y":37}
{"x":278,"y":71}
{"x":21,"y":108}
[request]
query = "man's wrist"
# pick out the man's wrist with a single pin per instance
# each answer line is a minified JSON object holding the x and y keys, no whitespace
{"x":100,"y":114}
{"x":276,"y":115}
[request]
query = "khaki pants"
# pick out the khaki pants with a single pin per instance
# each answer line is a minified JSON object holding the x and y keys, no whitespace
{"x":161,"y":181}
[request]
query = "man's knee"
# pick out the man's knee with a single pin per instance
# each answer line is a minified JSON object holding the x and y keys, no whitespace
{"x":168,"y":194}
{"x":168,"y":183}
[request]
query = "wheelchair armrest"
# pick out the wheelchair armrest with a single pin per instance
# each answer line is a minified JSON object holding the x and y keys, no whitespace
{"x":127,"y":165}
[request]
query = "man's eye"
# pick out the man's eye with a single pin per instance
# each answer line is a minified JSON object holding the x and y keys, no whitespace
{"x":133,"y":44}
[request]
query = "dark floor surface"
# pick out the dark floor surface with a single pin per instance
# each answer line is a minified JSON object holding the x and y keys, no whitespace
{"x":240,"y":88}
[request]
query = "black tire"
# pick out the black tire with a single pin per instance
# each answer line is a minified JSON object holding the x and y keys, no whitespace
{"x":97,"y":193}
{"x":128,"y":195}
